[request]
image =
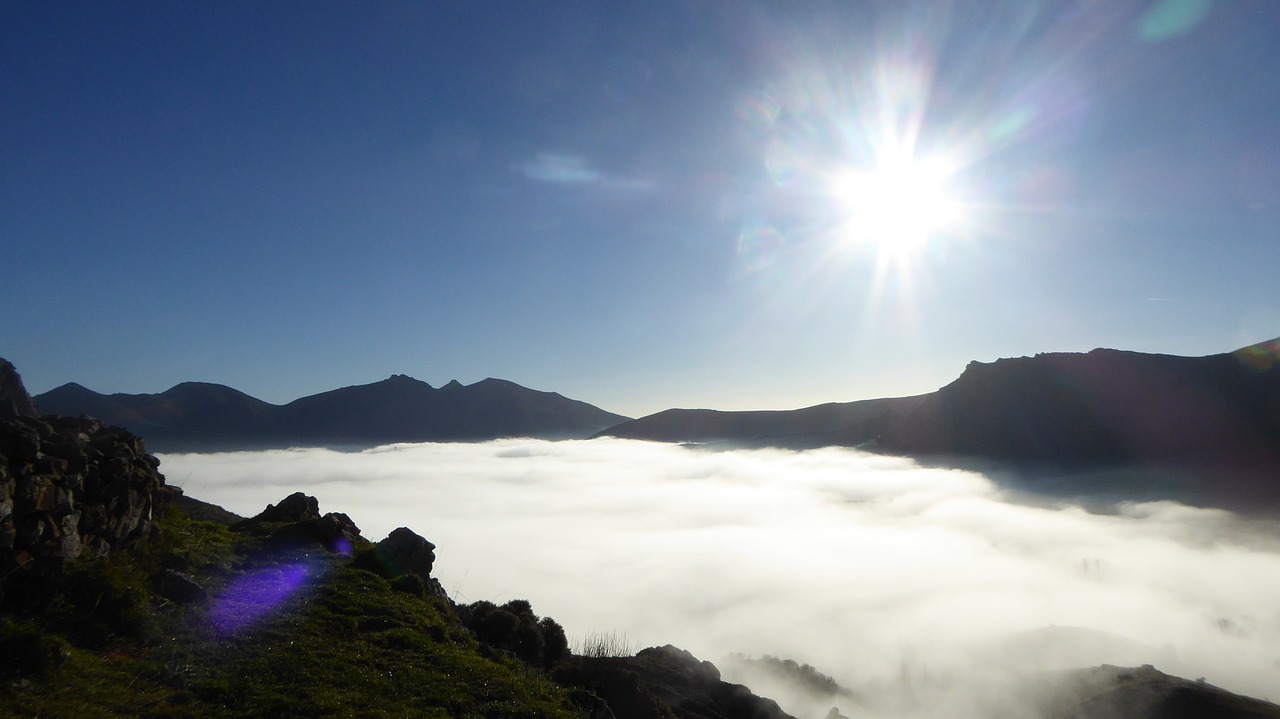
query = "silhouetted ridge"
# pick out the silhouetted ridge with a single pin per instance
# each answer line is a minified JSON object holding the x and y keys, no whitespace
{"x":198,"y":416}
{"x":1101,"y":407}
{"x":835,"y":423}
{"x":1204,"y":430}
{"x":187,"y":415}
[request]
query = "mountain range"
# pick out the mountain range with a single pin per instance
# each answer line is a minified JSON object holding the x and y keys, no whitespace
{"x":1209,"y":427}
{"x":198,"y":416}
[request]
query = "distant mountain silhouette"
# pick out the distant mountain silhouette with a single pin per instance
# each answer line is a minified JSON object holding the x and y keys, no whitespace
{"x":196,"y":416}
{"x":835,"y":423}
{"x":1107,"y":422}
{"x":1103,"y":407}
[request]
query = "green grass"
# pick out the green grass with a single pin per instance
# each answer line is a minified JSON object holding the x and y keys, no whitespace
{"x":344,"y":645}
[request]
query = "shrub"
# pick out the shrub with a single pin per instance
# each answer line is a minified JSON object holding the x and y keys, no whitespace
{"x":27,"y":651}
{"x":515,"y":628}
{"x":102,"y":600}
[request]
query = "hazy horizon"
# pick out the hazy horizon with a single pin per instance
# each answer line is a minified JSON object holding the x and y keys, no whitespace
{"x":870,"y":568}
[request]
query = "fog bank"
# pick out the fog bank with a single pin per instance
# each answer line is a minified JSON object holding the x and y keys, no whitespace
{"x":869,"y":568}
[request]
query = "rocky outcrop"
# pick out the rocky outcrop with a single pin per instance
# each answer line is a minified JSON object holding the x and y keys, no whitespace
{"x":404,"y":552}
{"x":408,"y":552}
{"x":297,"y":507}
{"x":14,"y":400}
{"x":68,"y":487}
{"x":296,"y":520}
{"x":666,"y":681}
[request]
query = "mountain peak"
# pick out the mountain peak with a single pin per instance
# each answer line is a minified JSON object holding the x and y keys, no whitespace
{"x":453,"y":384}
{"x":405,"y":380}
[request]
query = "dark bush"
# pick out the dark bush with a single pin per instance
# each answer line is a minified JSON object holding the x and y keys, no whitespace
{"x":498,"y":628}
{"x":556,"y":643}
{"x":27,"y":651}
{"x":368,"y":559}
{"x":102,"y":600}
{"x":410,"y":584}
{"x":515,"y":628}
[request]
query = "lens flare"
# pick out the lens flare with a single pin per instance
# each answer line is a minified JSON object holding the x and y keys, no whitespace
{"x":256,"y":595}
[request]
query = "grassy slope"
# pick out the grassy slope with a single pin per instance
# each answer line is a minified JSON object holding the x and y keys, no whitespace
{"x":345,"y":644}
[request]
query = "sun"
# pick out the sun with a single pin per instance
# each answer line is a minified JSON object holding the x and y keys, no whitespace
{"x":899,"y":204}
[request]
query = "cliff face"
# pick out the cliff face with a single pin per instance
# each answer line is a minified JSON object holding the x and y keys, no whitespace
{"x":14,"y":400}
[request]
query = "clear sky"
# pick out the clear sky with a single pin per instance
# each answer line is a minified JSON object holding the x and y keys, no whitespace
{"x":641,"y":205}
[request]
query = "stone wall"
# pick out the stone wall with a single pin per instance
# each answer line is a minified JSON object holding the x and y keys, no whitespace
{"x":70,"y":487}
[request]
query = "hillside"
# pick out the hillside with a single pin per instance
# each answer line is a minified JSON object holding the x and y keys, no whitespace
{"x":118,"y":598}
{"x":197,"y":416}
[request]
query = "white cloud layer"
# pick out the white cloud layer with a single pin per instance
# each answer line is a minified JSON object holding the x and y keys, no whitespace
{"x":867,"y":567}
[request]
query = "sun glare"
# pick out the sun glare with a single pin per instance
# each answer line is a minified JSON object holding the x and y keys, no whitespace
{"x":898,"y":205}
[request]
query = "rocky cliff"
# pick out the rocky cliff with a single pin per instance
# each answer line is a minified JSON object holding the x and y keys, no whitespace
{"x":14,"y":400}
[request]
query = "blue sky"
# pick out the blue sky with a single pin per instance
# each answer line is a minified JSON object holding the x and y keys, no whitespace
{"x":641,"y":205}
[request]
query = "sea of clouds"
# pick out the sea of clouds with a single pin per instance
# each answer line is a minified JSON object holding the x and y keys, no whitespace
{"x":875,"y":570}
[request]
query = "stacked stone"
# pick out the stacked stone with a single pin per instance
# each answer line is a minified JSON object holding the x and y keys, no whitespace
{"x":70,"y":486}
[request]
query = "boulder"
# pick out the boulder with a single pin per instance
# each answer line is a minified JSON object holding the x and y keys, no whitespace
{"x":303,"y":525}
{"x":297,"y":507}
{"x":408,"y":553}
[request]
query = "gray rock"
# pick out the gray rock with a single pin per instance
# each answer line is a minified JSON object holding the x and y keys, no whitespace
{"x":297,"y":507}
{"x":408,"y":553}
